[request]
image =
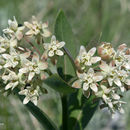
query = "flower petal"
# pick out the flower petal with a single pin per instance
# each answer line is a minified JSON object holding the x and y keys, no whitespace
{"x":92,"y":51}
{"x":51,"y":53}
{"x":28,"y":25}
{"x":103,"y":66}
{"x":76,"y":84}
{"x":98,"y":78}
{"x":42,"y":65}
{"x":94,"y":87}
{"x":26,"y":100}
{"x":85,"y":86}
{"x":23,"y":92}
{"x":34,"y":100}
{"x":117,"y":82}
{"x":115,"y":96}
{"x":95,"y":59}
{"x":8,"y":86}
{"x":53,"y":39}
{"x":31,"y":75}
{"x":59,"y":52}
{"x":127,"y":82}
{"x":110,"y":81}
{"x":60,"y":44}
{"x":82,"y":50}
{"x":15,"y":84}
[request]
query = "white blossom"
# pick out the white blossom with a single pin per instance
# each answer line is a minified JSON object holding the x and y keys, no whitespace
{"x":86,"y":58}
{"x":33,"y":67}
{"x":90,"y":80}
{"x":30,"y":95}
{"x":14,"y":30}
{"x":54,"y":47}
{"x":121,"y":59}
{"x":11,"y":80}
{"x":36,"y":28}
{"x":6,"y":43}
{"x":12,"y":59}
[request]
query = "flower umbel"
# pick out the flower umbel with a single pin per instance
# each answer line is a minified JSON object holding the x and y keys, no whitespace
{"x":103,"y":72}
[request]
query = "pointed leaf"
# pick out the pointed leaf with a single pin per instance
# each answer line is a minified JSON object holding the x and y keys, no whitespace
{"x":64,"y":32}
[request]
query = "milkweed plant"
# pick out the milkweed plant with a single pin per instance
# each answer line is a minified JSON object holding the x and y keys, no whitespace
{"x":85,"y":79}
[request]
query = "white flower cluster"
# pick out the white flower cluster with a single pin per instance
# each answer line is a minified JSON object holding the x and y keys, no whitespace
{"x":23,"y":67}
{"x":106,"y":76}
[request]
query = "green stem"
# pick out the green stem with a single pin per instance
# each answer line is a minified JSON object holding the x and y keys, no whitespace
{"x":70,"y":57}
{"x":64,"y":113}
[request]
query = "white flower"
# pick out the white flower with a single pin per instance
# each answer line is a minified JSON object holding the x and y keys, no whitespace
{"x":14,"y":30}
{"x":37,"y":28}
{"x":36,"y":66}
{"x":121,"y":59}
{"x":104,"y":94}
{"x":87,"y":59}
{"x":11,"y":59}
{"x":6,"y":43}
{"x":30,"y":95}
{"x":111,"y":73}
{"x":13,"y":79}
{"x":54,"y":47}
{"x":90,"y":80}
{"x":117,"y":106}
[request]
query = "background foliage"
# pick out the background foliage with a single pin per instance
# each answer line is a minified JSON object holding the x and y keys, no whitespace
{"x":92,"y":21}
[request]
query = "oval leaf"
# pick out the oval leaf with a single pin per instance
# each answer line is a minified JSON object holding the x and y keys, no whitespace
{"x":64,"y":32}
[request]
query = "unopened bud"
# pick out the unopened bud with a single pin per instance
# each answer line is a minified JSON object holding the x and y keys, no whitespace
{"x":106,"y":51}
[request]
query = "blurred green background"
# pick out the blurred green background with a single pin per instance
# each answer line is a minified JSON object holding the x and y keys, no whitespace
{"x":92,"y":21}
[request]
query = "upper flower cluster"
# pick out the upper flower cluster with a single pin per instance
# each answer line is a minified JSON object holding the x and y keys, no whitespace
{"x":102,"y":72}
{"x":23,"y":67}
{"x":106,"y":76}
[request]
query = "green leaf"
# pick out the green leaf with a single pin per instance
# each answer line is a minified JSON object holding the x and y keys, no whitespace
{"x":58,"y":84}
{"x":63,"y":32}
{"x":38,"y":113}
{"x":81,"y":110}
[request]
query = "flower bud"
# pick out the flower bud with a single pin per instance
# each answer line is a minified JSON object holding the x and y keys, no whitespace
{"x":128,"y":51}
{"x":106,"y":51}
{"x":122,"y":47}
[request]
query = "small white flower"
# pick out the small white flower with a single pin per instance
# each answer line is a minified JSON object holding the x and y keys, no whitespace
{"x":90,"y":80}
{"x":36,"y":66}
{"x":37,"y":28}
{"x":6,"y":43}
{"x":86,"y":58}
{"x":111,"y":73}
{"x":54,"y":47}
{"x":11,"y":80}
{"x":11,"y":59}
{"x":121,"y":59}
{"x":104,"y":93}
{"x":30,"y":95}
{"x":13,"y":29}
{"x":118,"y":106}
